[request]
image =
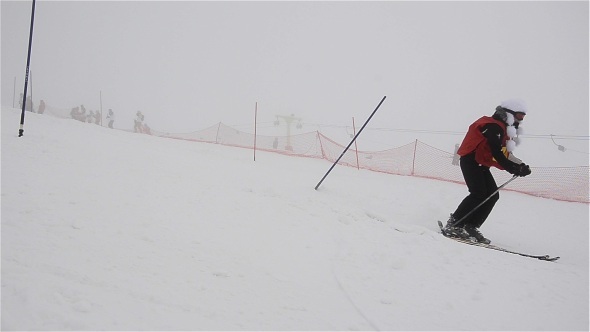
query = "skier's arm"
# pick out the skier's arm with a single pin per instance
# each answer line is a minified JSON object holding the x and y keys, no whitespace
{"x":494,"y":135}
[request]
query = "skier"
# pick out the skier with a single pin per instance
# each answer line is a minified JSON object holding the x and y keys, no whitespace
{"x":111,"y":118}
{"x":41,"y":107}
{"x":489,"y":142}
{"x":78,"y":115}
{"x":90,"y":117}
{"x":97,"y":117}
{"x":138,"y":122}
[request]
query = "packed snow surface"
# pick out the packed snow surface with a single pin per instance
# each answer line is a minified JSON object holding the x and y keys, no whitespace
{"x":109,"y":230}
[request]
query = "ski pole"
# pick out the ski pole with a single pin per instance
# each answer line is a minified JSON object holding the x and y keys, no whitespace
{"x":485,"y":200}
{"x":349,"y":144}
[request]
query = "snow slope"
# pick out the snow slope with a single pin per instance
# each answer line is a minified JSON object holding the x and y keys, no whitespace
{"x":110,"y":230}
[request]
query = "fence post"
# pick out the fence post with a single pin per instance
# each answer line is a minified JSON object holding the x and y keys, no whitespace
{"x":217,"y":134}
{"x":321,"y":145}
{"x":356,"y":148}
{"x":255,"y":115}
{"x":414,"y":158}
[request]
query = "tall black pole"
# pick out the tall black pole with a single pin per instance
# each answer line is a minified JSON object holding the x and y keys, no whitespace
{"x":100,"y":96}
{"x":22,"y":115}
{"x":349,"y":144}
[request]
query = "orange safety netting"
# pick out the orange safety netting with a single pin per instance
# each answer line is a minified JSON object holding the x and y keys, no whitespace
{"x":413,"y":159}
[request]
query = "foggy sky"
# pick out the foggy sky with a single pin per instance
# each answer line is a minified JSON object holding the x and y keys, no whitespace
{"x":188,"y":65}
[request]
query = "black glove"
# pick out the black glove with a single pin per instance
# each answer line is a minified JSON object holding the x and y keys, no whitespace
{"x":522,"y":170}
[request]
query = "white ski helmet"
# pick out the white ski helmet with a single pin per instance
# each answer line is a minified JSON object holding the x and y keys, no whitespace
{"x":515,"y":105}
{"x":511,"y":107}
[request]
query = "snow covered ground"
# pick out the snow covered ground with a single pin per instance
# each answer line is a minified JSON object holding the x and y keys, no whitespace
{"x":110,"y":230}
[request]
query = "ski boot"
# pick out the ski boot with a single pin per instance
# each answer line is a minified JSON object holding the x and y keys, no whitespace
{"x":453,"y":230}
{"x":476,"y":235}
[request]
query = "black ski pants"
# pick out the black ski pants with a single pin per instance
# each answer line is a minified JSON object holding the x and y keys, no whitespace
{"x":481,"y":185}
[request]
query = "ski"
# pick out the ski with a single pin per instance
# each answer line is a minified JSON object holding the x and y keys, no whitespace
{"x":493,"y":247}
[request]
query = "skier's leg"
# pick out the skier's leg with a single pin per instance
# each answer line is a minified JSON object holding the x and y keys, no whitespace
{"x":484,"y":211}
{"x":475,"y":179}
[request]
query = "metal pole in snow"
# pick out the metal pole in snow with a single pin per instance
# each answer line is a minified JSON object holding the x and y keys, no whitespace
{"x":22,"y":115}
{"x":349,"y":144}
{"x":255,"y":114}
{"x":100,"y":96}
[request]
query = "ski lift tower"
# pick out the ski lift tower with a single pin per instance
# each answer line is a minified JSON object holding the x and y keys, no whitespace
{"x":289,"y":119}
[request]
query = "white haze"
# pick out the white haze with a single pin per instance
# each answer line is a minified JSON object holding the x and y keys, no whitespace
{"x":189,"y":64}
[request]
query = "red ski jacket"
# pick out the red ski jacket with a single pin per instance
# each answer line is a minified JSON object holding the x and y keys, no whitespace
{"x":475,"y":141}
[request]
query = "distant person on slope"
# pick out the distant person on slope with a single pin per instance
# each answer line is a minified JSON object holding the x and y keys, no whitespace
{"x":489,"y":142}
{"x":111,"y":118}
{"x":90,"y":117}
{"x":97,"y":117}
{"x":138,"y":122}
{"x":41,"y":107}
